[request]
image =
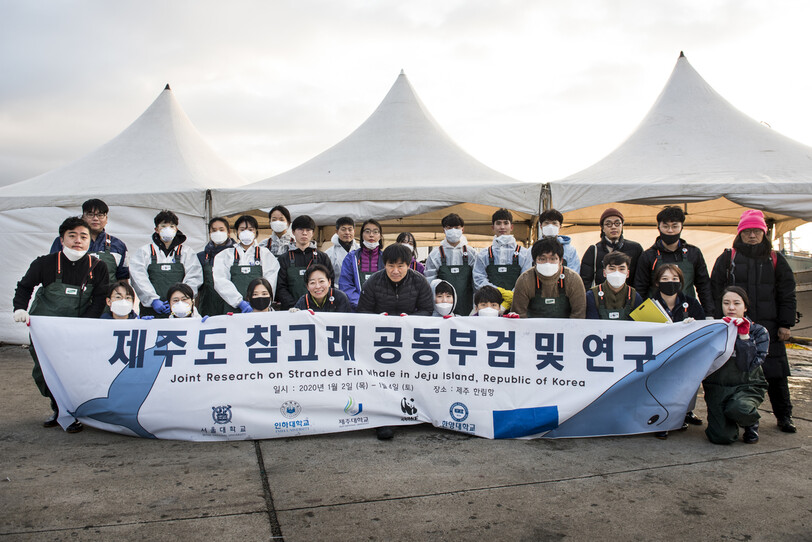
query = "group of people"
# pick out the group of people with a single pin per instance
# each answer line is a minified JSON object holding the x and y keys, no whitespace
{"x":88,"y":274}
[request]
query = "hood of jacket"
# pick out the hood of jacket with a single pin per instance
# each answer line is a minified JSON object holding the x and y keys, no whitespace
{"x":434,"y":284}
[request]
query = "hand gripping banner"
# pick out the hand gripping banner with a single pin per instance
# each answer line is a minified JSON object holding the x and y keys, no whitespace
{"x":266,"y":375}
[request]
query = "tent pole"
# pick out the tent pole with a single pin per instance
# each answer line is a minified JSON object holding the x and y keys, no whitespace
{"x":207,"y":207}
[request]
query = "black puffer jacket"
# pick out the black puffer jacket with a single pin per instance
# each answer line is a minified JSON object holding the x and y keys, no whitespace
{"x":771,"y":292}
{"x":412,"y":295}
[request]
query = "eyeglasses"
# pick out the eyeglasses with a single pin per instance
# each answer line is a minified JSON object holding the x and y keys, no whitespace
{"x":615,"y":224}
{"x":96,"y":215}
{"x":372,"y":232}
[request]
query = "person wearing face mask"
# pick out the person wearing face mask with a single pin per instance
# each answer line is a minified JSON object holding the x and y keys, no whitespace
{"x":361,"y":264}
{"x":613,"y":299}
{"x":504,"y":261}
{"x":488,"y":302}
{"x":209,"y":302}
{"x":111,"y":250}
{"x":549,"y":290}
{"x":293,"y":265}
{"x":767,"y":278}
{"x":162,"y":263}
{"x":321,"y":295}
{"x":681,"y":308}
{"x":550,"y":222}
{"x":611,"y":240}
{"x":453,"y":261}
{"x":406,"y":238}
{"x":121,"y":301}
{"x":445,"y":298}
{"x":236,"y":267}
{"x":671,"y":248}
{"x":343,"y":243}
{"x":260,"y":295}
{"x":72,"y":283}
{"x":181,"y":301}
{"x":281,"y":238}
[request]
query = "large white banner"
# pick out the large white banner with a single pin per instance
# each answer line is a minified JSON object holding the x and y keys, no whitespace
{"x":266,"y":375}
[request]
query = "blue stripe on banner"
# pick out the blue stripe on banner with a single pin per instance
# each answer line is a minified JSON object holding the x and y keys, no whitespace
{"x":521,"y":422}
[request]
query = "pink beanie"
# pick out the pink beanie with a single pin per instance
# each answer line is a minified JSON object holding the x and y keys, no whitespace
{"x":752,"y":219}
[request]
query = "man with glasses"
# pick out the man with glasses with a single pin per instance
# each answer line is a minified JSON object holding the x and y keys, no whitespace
{"x":611,"y":240}
{"x":669,"y":247}
{"x":111,"y":250}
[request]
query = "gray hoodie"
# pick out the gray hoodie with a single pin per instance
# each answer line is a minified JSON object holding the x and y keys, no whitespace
{"x":434,"y":284}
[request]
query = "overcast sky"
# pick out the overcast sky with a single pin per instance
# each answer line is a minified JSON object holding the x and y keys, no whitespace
{"x":535,"y":89}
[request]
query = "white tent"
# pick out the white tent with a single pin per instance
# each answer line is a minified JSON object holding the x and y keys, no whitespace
{"x":398,"y":163}
{"x":159,"y":162}
{"x":694,"y":148}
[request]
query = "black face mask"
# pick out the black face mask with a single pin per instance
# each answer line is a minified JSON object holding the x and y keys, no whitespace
{"x":260,"y":303}
{"x":669,"y":288}
{"x":669,"y":238}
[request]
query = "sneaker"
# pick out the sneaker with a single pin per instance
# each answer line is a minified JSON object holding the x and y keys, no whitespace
{"x":786,"y":425}
{"x":51,"y":421}
{"x":750,"y":435}
{"x":75,"y":427}
{"x":692,"y":418}
{"x":662,"y":435}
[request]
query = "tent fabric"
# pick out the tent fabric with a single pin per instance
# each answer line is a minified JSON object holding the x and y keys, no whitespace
{"x":399,"y":162}
{"x":159,"y":161}
{"x":694,"y":146}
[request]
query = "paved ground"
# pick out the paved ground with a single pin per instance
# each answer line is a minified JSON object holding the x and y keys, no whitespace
{"x":426,"y":484}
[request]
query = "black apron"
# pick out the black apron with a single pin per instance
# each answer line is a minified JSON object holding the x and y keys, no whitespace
{"x":296,"y":276}
{"x":684,"y":265}
{"x":461,"y":278}
{"x":549,"y":307}
{"x":209,"y":302}
{"x":162,"y":276}
{"x":107,"y":257}
{"x":503,"y":276}
{"x":242,"y":275}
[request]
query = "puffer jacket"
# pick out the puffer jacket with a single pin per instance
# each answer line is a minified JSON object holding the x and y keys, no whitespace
{"x":412,"y":295}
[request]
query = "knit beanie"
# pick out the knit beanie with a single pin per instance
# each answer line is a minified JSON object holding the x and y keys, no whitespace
{"x":752,"y":219}
{"x":611,"y":212}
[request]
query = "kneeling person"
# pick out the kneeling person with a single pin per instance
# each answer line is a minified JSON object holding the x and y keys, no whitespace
{"x":321,"y":296}
{"x":613,"y":299}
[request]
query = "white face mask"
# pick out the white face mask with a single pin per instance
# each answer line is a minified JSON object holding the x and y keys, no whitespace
{"x":218,"y":237}
{"x":616,"y":279}
{"x":73,"y":255}
{"x":453,"y":235}
{"x":488,"y":312}
{"x":167,"y":234}
{"x":371,"y":246}
{"x":505,"y":239}
{"x":408,"y":245}
{"x":550,"y":230}
{"x":547,"y":269}
{"x":279,"y":225}
{"x":121,"y":307}
{"x":247,"y":237}
{"x":443,"y":308}
{"x":181,"y":309}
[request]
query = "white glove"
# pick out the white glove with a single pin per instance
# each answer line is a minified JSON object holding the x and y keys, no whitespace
{"x":688,"y":320}
{"x":21,"y":315}
{"x":293,"y":309}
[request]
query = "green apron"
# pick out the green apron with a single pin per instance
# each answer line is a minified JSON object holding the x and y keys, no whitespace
{"x":242,"y":275}
{"x":549,"y":307}
{"x":107,"y":257}
{"x":209,"y":302}
{"x":296,"y":276}
{"x":59,"y":299}
{"x":612,"y":314}
{"x":461,"y":278}
{"x":363,"y":276}
{"x":685,"y":266}
{"x":162,"y":276}
{"x":504,"y":276}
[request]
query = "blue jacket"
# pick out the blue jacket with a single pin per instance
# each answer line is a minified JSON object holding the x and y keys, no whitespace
{"x":117,"y":246}
{"x":350,"y":281}
{"x":570,"y":254}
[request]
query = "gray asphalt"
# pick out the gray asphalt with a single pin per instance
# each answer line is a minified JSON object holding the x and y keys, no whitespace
{"x":426,"y":484}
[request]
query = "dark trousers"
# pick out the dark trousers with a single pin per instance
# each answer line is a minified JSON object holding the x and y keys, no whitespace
{"x":778,"y":391}
{"x":39,"y":379}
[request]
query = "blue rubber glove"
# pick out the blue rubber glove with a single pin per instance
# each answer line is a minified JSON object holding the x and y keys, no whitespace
{"x":204,"y":318}
{"x":146,"y":317}
{"x":161,"y":307}
{"x":245,"y":306}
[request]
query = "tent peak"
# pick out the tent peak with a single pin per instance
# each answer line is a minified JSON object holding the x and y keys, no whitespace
{"x":402,"y":72}
{"x":167,"y":87}
{"x":681,"y":54}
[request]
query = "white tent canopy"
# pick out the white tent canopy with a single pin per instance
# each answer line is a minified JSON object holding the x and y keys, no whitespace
{"x":693,"y":146}
{"x":399,"y":162}
{"x":160,"y":161}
